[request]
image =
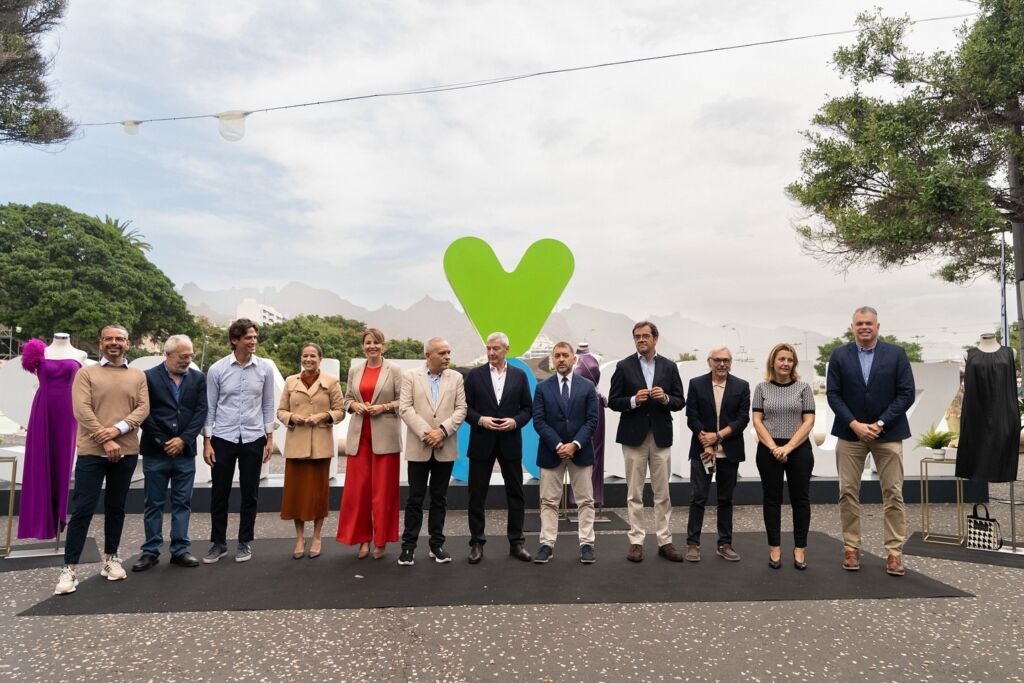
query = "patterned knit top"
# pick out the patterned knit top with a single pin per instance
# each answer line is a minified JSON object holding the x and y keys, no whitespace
{"x":783,"y":406}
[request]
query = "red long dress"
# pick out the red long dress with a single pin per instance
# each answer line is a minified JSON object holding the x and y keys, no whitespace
{"x":369,"y":500}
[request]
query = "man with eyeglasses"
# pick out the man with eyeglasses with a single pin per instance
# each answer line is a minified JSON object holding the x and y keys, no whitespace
{"x":110,"y":402}
{"x":717,"y":414}
{"x":646,"y":389}
{"x":177,"y":395}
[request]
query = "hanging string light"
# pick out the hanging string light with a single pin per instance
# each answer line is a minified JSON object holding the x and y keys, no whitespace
{"x":231,"y":124}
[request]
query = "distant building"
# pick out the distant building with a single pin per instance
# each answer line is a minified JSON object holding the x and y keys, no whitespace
{"x":260,"y":313}
{"x":542,"y":347}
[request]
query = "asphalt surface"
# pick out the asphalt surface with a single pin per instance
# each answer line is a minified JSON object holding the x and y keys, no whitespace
{"x":945,"y":639}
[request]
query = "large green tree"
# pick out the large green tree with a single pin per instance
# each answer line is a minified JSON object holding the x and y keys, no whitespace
{"x":339,"y":337}
{"x":27,"y":115}
{"x":63,"y":271}
{"x":933,"y":172}
{"x":913,"y":349}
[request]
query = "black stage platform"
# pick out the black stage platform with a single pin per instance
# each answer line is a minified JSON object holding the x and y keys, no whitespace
{"x":337,"y":580}
{"x":824,"y":490}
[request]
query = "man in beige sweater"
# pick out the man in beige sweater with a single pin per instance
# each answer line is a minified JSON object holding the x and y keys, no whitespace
{"x":110,"y":401}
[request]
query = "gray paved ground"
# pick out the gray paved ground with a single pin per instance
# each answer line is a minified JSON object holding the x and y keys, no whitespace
{"x":966,"y":639}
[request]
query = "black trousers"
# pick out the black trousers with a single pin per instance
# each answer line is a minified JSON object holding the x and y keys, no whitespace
{"x":798,"y":473}
{"x":480,"y":480}
{"x":434,"y":475}
{"x":725,"y":474}
{"x":90,"y":471}
{"x":249,"y":457}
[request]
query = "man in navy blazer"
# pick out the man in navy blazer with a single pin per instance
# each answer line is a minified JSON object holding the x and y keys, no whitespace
{"x":499,"y":406}
{"x":565,"y":417}
{"x":177,"y":395}
{"x":870,"y":387}
{"x":646,"y":389}
{"x":717,"y":413}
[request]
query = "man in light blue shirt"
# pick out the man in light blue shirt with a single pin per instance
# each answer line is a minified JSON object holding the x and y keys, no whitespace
{"x":239,"y":428}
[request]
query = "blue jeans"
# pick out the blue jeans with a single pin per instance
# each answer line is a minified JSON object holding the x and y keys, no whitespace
{"x":180,"y":472}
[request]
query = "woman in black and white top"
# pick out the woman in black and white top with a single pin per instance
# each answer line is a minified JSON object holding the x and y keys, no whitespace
{"x":783,"y":412}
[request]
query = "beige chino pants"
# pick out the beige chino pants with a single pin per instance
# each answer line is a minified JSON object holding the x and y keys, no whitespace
{"x":888,"y":456}
{"x":551,"y":479}
{"x":640,"y":459}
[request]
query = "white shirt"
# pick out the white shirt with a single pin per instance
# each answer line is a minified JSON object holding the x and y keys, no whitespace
{"x":498,"y":380}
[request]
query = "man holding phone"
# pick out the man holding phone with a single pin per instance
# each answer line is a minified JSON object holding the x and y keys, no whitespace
{"x":499,"y":406}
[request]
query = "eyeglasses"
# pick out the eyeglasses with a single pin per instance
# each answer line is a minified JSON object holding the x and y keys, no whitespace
{"x":721,"y":361}
{"x":116,"y":339}
{"x":638,"y":337}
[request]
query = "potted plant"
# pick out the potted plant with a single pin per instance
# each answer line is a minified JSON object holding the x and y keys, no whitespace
{"x":936,"y":441}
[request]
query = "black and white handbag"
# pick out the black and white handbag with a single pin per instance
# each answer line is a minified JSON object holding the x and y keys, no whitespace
{"x":983,"y":533}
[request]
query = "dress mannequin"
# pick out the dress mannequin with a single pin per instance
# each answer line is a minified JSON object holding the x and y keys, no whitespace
{"x":61,"y":349}
{"x":989,"y":421}
{"x":50,"y":439}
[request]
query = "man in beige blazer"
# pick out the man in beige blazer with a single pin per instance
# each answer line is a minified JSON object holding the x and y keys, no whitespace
{"x":433,"y":405}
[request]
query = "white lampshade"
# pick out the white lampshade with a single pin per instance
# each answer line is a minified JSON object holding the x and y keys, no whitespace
{"x":232,"y":124}
{"x":131,"y":126}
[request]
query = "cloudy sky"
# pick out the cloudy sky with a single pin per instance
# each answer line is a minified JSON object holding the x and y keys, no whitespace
{"x":665,"y":178}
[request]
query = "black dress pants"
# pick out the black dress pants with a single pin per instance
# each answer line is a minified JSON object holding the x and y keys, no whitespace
{"x":249,"y":457}
{"x":725,"y":474}
{"x":90,"y":473}
{"x":798,"y":473}
{"x":479,"y":481}
{"x":435,"y":475}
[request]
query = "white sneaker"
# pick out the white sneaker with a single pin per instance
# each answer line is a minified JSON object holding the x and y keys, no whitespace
{"x":112,"y":569}
{"x":67,"y":583}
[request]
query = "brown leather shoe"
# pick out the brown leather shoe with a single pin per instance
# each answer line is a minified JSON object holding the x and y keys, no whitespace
{"x":693,"y":553}
{"x":726,"y":552}
{"x":669,"y":552}
{"x":636,"y":553}
{"x":894,"y":565}
{"x":851,"y":559}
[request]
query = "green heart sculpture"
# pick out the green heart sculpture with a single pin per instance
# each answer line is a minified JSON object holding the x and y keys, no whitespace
{"x":516,"y":303}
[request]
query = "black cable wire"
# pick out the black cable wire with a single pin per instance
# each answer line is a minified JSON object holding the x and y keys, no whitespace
{"x":506,"y":79}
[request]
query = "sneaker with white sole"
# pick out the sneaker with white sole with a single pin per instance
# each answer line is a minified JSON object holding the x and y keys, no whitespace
{"x":67,"y":583}
{"x":112,"y":569}
{"x":440,"y":555}
{"x":244,"y":552}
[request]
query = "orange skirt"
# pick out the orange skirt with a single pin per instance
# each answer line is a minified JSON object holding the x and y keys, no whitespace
{"x":306,"y":489}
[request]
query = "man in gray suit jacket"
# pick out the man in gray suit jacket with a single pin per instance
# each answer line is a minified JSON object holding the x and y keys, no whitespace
{"x":433,"y":406}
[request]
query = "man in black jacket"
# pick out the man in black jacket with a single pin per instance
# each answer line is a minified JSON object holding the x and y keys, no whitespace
{"x":718,"y":412}
{"x":177,"y":395}
{"x":499,"y":406}
{"x":646,"y":388}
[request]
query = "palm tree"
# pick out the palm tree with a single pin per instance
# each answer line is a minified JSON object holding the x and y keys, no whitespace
{"x":134,"y":236}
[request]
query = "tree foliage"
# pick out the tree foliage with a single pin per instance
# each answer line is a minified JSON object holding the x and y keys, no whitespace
{"x":339,"y":337}
{"x":913,"y":349}
{"x":924,"y":175}
{"x":62,"y":271}
{"x":26,"y":113}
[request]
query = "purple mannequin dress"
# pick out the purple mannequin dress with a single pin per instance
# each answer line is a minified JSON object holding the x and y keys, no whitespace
{"x":588,"y":366}
{"x":49,"y":445}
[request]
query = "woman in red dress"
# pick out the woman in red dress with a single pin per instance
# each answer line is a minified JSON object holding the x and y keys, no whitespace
{"x":369,"y":500}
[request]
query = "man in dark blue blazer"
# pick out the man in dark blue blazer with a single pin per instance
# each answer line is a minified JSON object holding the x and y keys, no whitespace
{"x":499,"y":406}
{"x":177,"y":395}
{"x":646,"y":389}
{"x":565,"y":417}
{"x":870,"y":387}
{"x":717,"y":413}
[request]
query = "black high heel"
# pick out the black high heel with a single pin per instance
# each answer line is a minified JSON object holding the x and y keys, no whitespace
{"x":775,"y":564}
{"x":799,"y":565}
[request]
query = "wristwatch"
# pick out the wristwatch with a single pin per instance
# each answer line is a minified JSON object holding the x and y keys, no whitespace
{"x":881,"y":424}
